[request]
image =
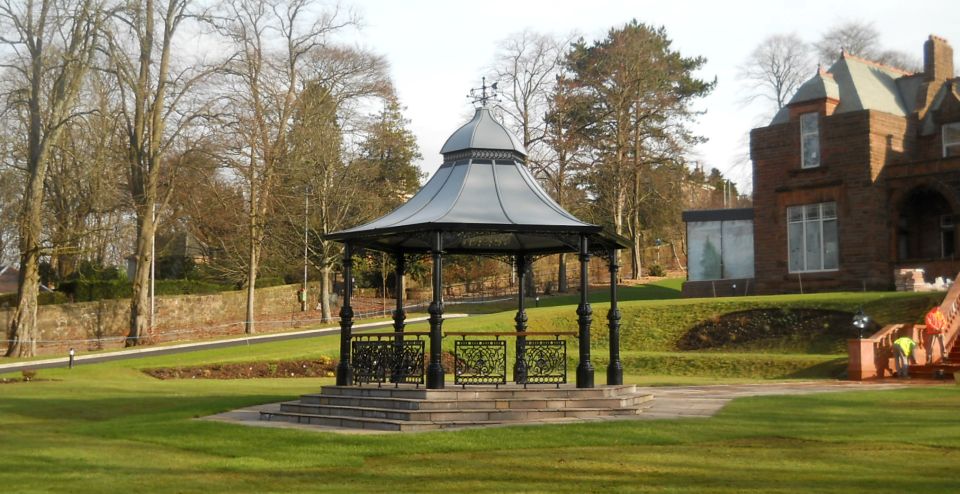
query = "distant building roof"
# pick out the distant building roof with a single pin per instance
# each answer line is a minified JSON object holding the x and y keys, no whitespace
{"x":819,"y":86}
{"x":859,"y":84}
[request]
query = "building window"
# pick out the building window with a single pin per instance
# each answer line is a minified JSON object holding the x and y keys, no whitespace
{"x":812,"y":237}
{"x":810,"y":140}
{"x":951,"y":139}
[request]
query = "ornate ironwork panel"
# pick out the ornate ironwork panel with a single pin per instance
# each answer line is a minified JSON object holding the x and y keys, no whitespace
{"x":480,"y":362}
{"x":380,"y":361}
{"x":371,"y":361}
{"x":546,"y":362}
{"x":407,"y":362}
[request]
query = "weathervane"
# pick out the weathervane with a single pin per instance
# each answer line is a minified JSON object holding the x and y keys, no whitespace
{"x":484,"y":93}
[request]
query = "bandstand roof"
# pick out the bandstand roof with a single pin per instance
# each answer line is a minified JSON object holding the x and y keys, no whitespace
{"x":483,"y":200}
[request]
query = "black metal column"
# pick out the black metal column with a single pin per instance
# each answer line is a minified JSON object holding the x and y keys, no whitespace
{"x":399,"y":318}
{"x":399,"y":315}
{"x":435,"y":369}
{"x":585,"y":317}
{"x":615,"y":368}
{"x":519,"y":366}
{"x":344,"y":369}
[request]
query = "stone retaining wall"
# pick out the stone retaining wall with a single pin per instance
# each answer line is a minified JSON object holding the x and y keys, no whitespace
{"x":105,"y":323}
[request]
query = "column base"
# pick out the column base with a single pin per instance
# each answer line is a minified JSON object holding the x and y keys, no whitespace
{"x":585,"y":376}
{"x":435,"y":376}
{"x":614,"y":374}
{"x":344,"y":374}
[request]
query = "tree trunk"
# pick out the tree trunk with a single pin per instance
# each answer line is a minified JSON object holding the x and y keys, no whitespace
{"x":249,"y":326}
{"x":140,"y":298}
{"x":23,"y":333}
{"x":325,"y":294}
{"x":676,"y":258}
{"x":562,"y":285}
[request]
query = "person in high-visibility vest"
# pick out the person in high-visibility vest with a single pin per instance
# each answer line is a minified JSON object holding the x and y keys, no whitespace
{"x":902,"y":348}
{"x":936,"y":324}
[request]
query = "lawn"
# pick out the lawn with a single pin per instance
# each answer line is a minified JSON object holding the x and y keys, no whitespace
{"x":110,"y":428}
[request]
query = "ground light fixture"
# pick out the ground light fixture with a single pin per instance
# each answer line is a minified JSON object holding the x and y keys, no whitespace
{"x":860,"y":321}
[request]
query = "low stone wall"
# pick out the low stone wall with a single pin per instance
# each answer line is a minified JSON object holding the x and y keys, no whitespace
{"x":105,"y":323}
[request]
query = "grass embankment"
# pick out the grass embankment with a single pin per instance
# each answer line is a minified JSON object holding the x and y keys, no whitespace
{"x":650,"y":330}
{"x":110,"y":428}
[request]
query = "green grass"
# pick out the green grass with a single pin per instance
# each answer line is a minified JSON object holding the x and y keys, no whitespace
{"x":110,"y":428}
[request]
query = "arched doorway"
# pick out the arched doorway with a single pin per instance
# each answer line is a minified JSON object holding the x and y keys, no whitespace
{"x":925,"y":226}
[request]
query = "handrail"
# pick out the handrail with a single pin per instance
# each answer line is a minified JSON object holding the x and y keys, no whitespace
{"x":392,"y":334}
{"x":511,"y":333}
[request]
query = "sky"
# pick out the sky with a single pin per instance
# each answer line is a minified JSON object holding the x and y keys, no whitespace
{"x":438,"y":50}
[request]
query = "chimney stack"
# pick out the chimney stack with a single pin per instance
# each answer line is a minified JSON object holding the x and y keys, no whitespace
{"x":937,"y":59}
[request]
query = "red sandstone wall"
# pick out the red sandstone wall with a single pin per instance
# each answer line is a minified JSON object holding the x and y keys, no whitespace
{"x":103,"y":324}
{"x":847,"y":175}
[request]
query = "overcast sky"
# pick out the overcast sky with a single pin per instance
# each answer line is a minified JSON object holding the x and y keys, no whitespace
{"x":438,"y":50}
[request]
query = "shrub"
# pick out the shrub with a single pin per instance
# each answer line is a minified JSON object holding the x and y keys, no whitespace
{"x":45,"y":298}
{"x":656,"y":270}
{"x":189,"y":287}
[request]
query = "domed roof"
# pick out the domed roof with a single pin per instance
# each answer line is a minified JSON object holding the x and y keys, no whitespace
{"x":483,"y":132}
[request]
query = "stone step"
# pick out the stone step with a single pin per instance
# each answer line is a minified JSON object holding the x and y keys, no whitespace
{"x":461,"y":415}
{"x":625,"y":400}
{"x":349,"y":422}
{"x":475,"y":392}
{"x":384,"y":424}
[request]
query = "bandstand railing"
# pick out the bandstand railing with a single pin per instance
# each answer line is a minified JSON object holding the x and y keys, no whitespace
{"x":484,"y":361}
{"x":388,"y":357}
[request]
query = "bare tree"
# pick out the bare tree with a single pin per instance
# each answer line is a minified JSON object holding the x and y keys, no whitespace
{"x":776,"y":68}
{"x":52,"y":45}
{"x":526,"y":65}
{"x":83,"y":195}
{"x":157,"y":111}
{"x":862,"y":39}
{"x":278,"y":47}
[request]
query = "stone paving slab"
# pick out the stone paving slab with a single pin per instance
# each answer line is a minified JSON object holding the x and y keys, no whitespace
{"x":669,"y":402}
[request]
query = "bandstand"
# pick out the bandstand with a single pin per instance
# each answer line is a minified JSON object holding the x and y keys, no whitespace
{"x":481,"y":201}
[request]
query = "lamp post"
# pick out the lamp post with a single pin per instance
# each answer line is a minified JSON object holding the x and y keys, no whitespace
{"x":306,"y":229}
{"x":860,"y":321}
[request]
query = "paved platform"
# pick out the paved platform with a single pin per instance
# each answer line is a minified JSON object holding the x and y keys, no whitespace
{"x":669,"y":402}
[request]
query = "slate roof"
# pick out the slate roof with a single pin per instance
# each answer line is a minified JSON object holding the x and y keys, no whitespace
{"x":484,"y":200}
{"x":482,"y":132}
{"x":860,"y":84}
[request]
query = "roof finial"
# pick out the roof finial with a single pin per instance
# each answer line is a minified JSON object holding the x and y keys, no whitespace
{"x":484,"y":93}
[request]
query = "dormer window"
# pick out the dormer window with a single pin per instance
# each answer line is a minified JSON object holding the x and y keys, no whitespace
{"x":951,"y":139}
{"x":810,"y":140}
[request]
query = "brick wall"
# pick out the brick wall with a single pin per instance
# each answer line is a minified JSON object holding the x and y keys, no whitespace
{"x":847,"y":175}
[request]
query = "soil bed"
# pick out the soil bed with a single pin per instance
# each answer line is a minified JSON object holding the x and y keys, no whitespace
{"x":813,"y":330}
{"x":323,"y":367}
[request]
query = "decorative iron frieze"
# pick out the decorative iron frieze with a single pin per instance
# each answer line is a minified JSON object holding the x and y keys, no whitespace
{"x":545,"y":362}
{"x":480,"y":362}
{"x":485,"y":154}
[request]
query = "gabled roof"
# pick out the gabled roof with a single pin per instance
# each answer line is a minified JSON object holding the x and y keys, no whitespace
{"x":861,"y":84}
